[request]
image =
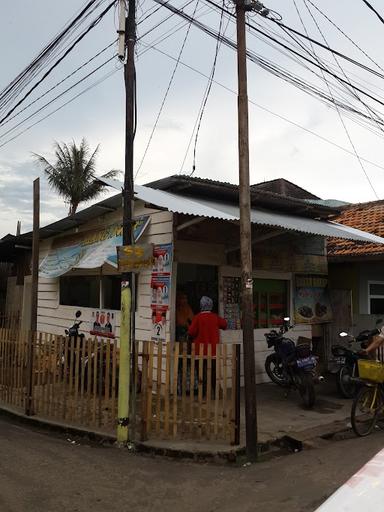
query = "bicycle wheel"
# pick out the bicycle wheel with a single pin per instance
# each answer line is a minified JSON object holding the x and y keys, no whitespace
{"x":346,"y":387}
{"x":365,"y":408}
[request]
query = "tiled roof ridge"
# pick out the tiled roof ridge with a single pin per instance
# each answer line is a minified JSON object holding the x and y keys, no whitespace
{"x":355,"y":206}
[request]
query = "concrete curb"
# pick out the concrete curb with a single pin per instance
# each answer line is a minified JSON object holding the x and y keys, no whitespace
{"x":231,"y":455}
{"x":53,"y":426}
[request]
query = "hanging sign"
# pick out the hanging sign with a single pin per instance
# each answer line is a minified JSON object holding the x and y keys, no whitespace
{"x":133,"y":258}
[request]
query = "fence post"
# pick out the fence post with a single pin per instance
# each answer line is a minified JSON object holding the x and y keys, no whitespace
{"x":237,"y":408}
{"x":30,"y":360}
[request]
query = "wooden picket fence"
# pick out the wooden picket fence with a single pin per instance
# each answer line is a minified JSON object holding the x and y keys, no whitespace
{"x":10,"y":320}
{"x":74,"y":380}
{"x":13,"y":367}
{"x":185,"y":395}
{"x":178,"y":394}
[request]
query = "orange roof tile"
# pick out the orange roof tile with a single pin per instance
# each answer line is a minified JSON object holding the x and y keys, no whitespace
{"x":365,"y":216}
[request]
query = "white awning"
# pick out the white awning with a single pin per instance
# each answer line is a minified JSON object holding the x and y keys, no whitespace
{"x":218,"y":210}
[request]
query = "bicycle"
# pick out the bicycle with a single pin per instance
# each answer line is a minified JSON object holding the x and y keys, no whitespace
{"x":368,"y":405}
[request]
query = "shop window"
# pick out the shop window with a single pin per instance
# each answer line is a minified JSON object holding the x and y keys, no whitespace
{"x":111,"y":292}
{"x":82,"y":291}
{"x":376,"y":297}
{"x":270,"y":302}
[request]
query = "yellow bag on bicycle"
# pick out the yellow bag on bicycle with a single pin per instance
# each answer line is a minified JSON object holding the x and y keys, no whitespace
{"x":371,"y":370}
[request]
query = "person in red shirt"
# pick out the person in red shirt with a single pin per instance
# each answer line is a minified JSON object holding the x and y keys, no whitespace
{"x":205,"y":330}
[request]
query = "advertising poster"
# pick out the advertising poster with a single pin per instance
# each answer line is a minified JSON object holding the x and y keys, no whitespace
{"x":160,"y":286}
{"x":159,"y":316}
{"x":162,"y":254}
{"x":311,"y":300}
{"x":103,"y":324}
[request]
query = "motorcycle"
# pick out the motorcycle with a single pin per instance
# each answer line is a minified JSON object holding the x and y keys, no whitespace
{"x":346,"y":360}
{"x":73,"y":333}
{"x":290,"y":365}
{"x":87,"y":361}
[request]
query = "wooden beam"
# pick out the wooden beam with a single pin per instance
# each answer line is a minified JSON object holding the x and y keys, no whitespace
{"x":189,"y":223}
{"x":267,"y":236}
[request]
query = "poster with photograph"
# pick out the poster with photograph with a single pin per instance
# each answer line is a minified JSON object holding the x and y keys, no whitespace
{"x":103,"y":324}
{"x":311,"y":300}
{"x":160,"y":287}
{"x":162,"y":254}
{"x":159,"y":317}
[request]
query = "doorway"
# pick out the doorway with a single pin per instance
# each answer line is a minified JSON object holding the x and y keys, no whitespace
{"x":196,"y":281}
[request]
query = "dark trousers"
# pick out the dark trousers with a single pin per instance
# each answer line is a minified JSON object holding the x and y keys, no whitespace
{"x":205,"y":376}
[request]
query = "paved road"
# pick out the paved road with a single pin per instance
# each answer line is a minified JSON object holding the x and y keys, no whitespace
{"x":44,"y":473}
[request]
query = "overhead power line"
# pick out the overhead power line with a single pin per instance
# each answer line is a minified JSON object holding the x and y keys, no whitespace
{"x":325,"y":47}
{"x":253,"y":27}
{"x":344,"y":34}
{"x":167,"y":91}
{"x":46,"y":55}
{"x":60,"y":82}
{"x":271,"y":67}
{"x":59,"y":96}
{"x":330,"y":92}
{"x":370,"y":6}
{"x":88,"y":88}
{"x":47,"y":73}
{"x":265,"y":109}
{"x":206,"y":93}
{"x":47,"y":49}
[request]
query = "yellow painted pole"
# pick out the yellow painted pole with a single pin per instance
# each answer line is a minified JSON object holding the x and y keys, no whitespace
{"x":124,"y":364}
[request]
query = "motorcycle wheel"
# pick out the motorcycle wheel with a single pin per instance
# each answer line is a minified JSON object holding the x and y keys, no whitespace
{"x":366,"y":408}
{"x":307,"y":390}
{"x":274,"y":368}
{"x":346,"y":388}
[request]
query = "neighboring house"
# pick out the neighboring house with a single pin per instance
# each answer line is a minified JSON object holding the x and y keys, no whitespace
{"x":194,"y":226}
{"x":358,"y":268}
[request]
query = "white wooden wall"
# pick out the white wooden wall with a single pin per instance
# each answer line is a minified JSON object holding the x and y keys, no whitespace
{"x":54,"y":318}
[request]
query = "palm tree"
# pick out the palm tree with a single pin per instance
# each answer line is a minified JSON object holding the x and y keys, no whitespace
{"x":73,"y":175}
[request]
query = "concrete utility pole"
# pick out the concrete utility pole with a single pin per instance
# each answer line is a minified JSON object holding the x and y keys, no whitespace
{"x":128,"y":195}
{"x":35,"y":280}
{"x":246,"y":237}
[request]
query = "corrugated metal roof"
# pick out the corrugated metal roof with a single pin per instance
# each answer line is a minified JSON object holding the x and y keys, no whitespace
{"x":212,"y":209}
{"x":204,"y":207}
{"x":260,"y":197}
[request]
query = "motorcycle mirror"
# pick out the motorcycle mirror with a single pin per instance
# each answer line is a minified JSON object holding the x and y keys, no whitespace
{"x":78,"y":314}
{"x":286,"y":319}
{"x":343,"y":334}
{"x":379,"y":321}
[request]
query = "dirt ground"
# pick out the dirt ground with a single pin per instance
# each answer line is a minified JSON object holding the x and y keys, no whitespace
{"x":40,"y":472}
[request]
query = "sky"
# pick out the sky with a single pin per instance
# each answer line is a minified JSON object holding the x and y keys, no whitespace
{"x":278,"y":148}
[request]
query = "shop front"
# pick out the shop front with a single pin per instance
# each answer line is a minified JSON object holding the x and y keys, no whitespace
{"x":194,"y":235}
{"x":287,"y":281}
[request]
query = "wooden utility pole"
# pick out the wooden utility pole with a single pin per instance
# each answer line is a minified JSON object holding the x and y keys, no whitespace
{"x":245,"y":238}
{"x":35,"y":280}
{"x":128,"y":195}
